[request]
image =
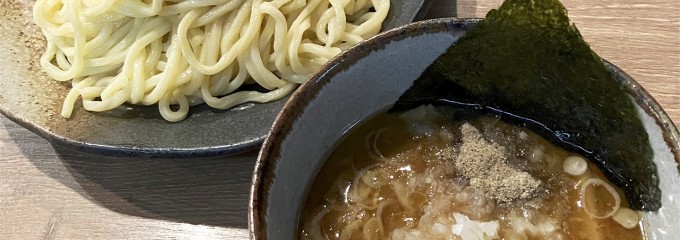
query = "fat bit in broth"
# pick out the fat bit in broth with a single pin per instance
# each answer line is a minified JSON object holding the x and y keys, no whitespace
{"x":419,"y":175}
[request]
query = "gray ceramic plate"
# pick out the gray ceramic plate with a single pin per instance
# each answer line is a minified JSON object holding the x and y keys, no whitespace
{"x":312,"y":122}
{"x":31,"y":99}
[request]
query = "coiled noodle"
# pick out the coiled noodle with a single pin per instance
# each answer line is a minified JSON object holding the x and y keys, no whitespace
{"x":177,"y":53}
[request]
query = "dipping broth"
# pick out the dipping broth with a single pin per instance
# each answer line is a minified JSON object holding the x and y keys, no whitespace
{"x":419,"y":175}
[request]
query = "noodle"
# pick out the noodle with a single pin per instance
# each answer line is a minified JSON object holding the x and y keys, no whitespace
{"x":371,"y":142}
{"x":180,"y":53}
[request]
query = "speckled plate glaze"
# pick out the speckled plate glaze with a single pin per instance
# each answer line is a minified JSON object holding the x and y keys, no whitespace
{"x":370,"y":78}
{"x":30,"y":98}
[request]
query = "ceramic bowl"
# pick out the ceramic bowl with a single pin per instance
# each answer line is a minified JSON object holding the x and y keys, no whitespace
{"x":369,"y":78}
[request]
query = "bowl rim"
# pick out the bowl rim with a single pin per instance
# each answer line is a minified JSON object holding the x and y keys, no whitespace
{"x":268,"y":156}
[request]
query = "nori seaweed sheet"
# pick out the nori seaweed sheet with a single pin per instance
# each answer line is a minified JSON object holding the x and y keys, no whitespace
{"x":528,"y":63}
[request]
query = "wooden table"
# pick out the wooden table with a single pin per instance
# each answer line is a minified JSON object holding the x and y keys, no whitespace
{"x":47,"y":192}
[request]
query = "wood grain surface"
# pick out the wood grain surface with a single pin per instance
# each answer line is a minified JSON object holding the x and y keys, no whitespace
{"x":47,"y":192}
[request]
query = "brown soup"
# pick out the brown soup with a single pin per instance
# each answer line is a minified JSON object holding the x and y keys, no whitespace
{"x":418,"y":175}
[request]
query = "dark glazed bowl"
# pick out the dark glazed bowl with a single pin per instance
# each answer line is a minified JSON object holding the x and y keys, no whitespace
{"x":369,"y":78}
{"x":30,"y":98}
